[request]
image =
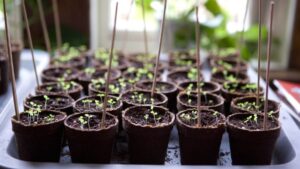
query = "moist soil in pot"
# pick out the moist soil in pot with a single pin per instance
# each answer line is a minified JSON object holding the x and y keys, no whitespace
{"x":72,"y":89}
{"x":87,"y":75}
{"x":149,"y":65}
{"x":200,"y":145}
{"x":116,"y":87}
{"x":95,"y":104}
{"x":229,"y":65}
{"x":56,"y":102}
{"x":89,"y":140}
{"x":141,"y":58}
{"x":249,"y":143}
{"x":16,"y":49}
{"x":207,"y":87}
{"x":167,"y":88}
{"x":229,"y":76}
{"x":247,"y":104}
{"x":101,"y":60}
{"x":3,"y":73}
{"x":186,"y":100}
{"x":181,"y":54}
{"x":78,"y":62}
{"x":39,"y":135}
{"x":138,"y":74}
{"x":182,"y":63}
{"x":223,"y":54}
{"x":148,"y":129}
{"x":182,"y":75}
{"x":232,"y":90}
{"x":143,"y":97}
{"x":59,"y":73}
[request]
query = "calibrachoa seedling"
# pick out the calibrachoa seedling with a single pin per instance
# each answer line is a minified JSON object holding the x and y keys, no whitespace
{"x":85,"y":119}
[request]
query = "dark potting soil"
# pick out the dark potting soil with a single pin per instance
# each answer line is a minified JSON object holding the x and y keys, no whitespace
{"x":205,"y":86}
{"x":75,"y":61}
{"x":56,"y":73}
{"x":90,"y":121}
{"x":40,"y":118}
{"x":95,"y":104}
{"x":251,"y":106}
{"x":145,"y":116}
{"x":208,"y":118}
{"x":99,"y":73}
{"x":54,"y":102}
{"x":141,"y":97}
{"x":240,"y":88}
{"x":253,"y":122}
{"x":178,"y":76}
{"x":229,"y":76}
{"x":115,"y":87}
{"x":160,"y":86}
{"x":58,"y":87}
{"x":205,"y":101}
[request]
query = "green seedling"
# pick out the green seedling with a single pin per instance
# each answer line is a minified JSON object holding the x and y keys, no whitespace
{"x":251,"y":118}
{"x":49,"y":118}
{"x":46,"y":100}
{"x":192,"y":74}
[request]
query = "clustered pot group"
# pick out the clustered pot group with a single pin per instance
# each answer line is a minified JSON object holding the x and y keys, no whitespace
{"x":68,"y":109}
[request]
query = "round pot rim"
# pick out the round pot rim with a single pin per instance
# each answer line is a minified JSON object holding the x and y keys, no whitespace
{"x":171,"y":122}
{"x":199,"y":128}
{"x":117,"y":71}
{"x":222,"y":100}
{"x":91,"y":130}
{"x":245,"y":77}
{"x":234,"y":101}
{"x":165,"y":98}
{"x":51,"y":67}
{"x":78,"y":88}
{"x":216,"y":85}
{"x":49,"y":95}
{"x":261,"y":90}
{"x":107,"y":109}
{"x":14,"y":120}
{"x":229,"y":124}
{"x":174,"y":87}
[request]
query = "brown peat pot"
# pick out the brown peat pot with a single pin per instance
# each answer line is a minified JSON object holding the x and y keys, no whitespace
{"x":208,"y":101}
{"x":167,"y":88}
{"x":72,"y":89}
{"x":148,"y":134}
{"x":229,"y":76}
{"x":3,"y":73}
{"x":59,"y":73}
{"x":89,"y":142}
{"x":95,"y":104}
{"x":229,"y":65}
{"x":62,"y":103}
{"x":16,"y":49}
{"x":39,"y":137}
{"x":86,"y":77}
{"x":249,"y":143}
{"x":149,"y":65}
{"x":100,"y":59}
{"x":223,"y":55}
{"x":182,"y":75}
{"x":143,"y":97}
{"x":232,"y":90}
{"x":133,"y":75}
{"x":247,"y":105}
{"x":200,"y":145}
{"x":78,"y":62}
{"x":207,"y":87}
{"x":116,"y":87}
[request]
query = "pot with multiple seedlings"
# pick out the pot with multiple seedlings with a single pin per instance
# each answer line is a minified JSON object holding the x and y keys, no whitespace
{"x":205,"y":87}
{"x":71,"y":88}
{"x":58,"y":73}
{"x":116,"y":87}
{"x":181,"y":75}
{"x":101,"y":59}
{"x":71,"y":58}
{"x":137,"y":74}
{"x":199,"y":126}
{"x":253,"y":134}
{"x":222,"y":76}
{"x":229,"y":64}
{"x":86,"y":76}
{"x":232,"y":90}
